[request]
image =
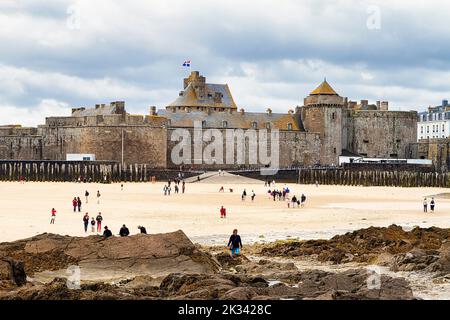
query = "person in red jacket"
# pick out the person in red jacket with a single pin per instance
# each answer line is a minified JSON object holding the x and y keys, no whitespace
{"x":74,"y":204}
{"x":99,"y":220}
{"x":223,"y":212}
{"x":52,"y":221}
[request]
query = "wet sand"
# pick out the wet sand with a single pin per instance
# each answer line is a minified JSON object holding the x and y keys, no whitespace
{"x":330,"y":210}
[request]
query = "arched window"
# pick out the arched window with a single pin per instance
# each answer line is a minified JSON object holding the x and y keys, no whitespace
{"x":254,"y":125}
{"x":225,"y":124}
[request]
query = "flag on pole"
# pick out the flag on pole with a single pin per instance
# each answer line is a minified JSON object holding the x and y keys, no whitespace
{"x":187,"y":63}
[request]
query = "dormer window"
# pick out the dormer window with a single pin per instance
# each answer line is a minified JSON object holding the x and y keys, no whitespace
{"x":254,"y":125}
{"x":268,"y":125}
{"x":224,"y":124}
{"x":289,"y":126}
{"x":204,"y":123}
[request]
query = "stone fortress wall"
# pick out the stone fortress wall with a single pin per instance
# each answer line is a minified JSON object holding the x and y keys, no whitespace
{"x":315,"y":133}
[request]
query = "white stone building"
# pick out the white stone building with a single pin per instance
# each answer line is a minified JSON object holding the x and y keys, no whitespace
{"x":434,"y":123}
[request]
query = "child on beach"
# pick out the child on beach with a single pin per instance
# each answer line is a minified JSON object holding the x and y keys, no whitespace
{"x":52,"y":220}
{"x":92,"y":225}
{"x":223,"y":212}
{"x":86,"y":194}
{"x":98,"y":197}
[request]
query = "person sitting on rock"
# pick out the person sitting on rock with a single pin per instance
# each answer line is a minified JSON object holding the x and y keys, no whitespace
{"x":142,"y":229}
{"x":235,"y":243}
{"x":107,"y":233}
{"x":124,"y":231}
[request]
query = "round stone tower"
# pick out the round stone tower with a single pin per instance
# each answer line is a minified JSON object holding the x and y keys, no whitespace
{"x":322,"y":113}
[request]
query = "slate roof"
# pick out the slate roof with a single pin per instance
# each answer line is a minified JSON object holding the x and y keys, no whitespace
{"x":235,"y":120}
{"x":189,"y":97}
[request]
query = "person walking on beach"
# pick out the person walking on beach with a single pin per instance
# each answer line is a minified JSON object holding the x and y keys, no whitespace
{"x":92,"y":224}
{"x":99,"y":220}
{"x":303,"y":200}
{"x":86,"y":195}
{"x":107,"y":233}
{"x":432,"y":204}
{"x":74,"y":204}
{"x":176,"y":189}
{"x":294,"y":201}
{"x":244,"y":195}
{"x":52,"y":220}
{"x":165,"y":190}
{"x":425,"y":205}
{"x":253,"y":196}
{"x":183,"y":186}
{"x":98,"y":197}
{"x":235,"y":243}
{"x":121,"y":187}
{"x":79,"y":204}
{"x":124,"y":232}
{"x":86,"y":222}
{"x":223,"y":212}
{"x":142,"y":229}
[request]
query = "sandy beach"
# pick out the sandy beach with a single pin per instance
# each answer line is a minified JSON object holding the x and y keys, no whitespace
{"x":330,"y":210}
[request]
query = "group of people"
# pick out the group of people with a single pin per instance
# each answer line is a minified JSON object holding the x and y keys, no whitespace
{"x":76,"y":203}
{"x":92,"y":221}
{"x":123,"y":232}
{"x":432,"y":205}
{"x":167,"y":187}
{"x":244,"y":195}
{"x":284,"y":195}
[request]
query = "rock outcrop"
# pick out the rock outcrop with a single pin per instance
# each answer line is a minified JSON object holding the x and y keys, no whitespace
{"x":12,"y":273}
{"x":112,"y":258}
{"x":363,"y":245}
{"x":312,"y":285}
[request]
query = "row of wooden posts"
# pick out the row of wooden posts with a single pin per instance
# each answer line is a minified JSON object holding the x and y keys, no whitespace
{"x":374,"y":178}
{"x":74,"y":171}
{"x":113,"y":172}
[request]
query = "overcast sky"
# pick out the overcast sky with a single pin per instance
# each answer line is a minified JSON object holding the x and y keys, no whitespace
{"x":56,"y":54}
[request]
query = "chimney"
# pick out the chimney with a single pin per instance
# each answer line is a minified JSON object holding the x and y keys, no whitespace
{"x":378,"y":105}
{"x":364,"y":104}
{"x":384,"y":106}
{"x":97,"y":106}
{"x":291,"y":112}
{"x":444,"y":103}
{"x":153,"y":111}
{"x":269,"y":111}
